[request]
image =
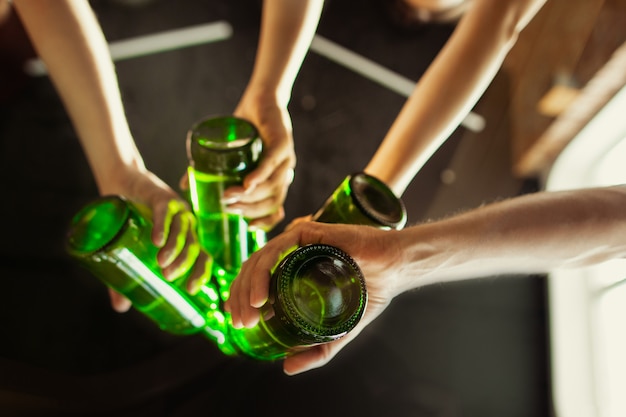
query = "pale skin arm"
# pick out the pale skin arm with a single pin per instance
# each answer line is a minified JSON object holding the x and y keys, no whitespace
{"x":287,"y":28}
{"x":535,"y":233}
{"x":68,"y":38}
{"x":450,"y":87}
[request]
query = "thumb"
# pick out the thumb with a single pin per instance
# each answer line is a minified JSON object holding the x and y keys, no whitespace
{"x":314,"y":357}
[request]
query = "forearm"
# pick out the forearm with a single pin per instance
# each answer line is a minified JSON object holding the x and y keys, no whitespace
{"x":68,"y":38}
{"x":287,"y":28}
{"x":535,"y":233}
{"x":450,"y":88}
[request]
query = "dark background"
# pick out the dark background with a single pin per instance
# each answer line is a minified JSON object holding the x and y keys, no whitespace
{"x":475,"y":348}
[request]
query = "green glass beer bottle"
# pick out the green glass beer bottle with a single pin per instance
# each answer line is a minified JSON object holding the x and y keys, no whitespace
{"x":318,"y":291}
{"x":111,"y":237}
{"x":318,"y":295}
{"x":221,"y":151}
{"x":365,"y":200}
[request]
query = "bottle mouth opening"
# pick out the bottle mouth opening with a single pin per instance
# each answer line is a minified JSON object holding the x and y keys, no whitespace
{"x":223,"y":143}
{"x":96,"y":224}
{"x":377,"y":201}
{"x":223,"y":132}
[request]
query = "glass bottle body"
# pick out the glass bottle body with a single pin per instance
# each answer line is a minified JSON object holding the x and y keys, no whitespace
{"x":111,"y":237}
{"x":221,"y":152}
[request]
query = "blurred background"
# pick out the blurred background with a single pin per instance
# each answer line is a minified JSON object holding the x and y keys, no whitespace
{"x":476,"y":348}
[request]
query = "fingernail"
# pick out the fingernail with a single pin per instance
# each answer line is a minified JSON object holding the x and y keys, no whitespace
{"x":164,"y":259}
{"x":158,"y":239}
{"x":167,"y":275}
{"x":195,"y":286}
{"x":233,"y":210}
{"x":229,"y":200}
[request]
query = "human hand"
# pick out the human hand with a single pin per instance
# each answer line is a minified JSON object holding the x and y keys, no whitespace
{"x":173,"y":230}
{"x":298,"y":220}
{"x":375,"y":251}
{"x":264,"y":190}
{"x":261,"y":196}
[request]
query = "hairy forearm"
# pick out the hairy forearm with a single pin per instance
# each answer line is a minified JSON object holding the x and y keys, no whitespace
{"x":287,"y":28}
{"x":68,"y":38}
{"x":535,"y":233}
{"x":451,"y":86}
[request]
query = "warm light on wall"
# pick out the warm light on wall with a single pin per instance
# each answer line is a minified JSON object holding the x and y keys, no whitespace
{"x":588,"y":305}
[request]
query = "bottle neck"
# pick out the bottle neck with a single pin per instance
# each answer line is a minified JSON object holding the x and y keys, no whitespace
{"x":363,"y":199}
{"x":377,"y":201}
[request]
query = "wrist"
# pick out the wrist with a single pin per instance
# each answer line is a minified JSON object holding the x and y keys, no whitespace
{"x":264,"y":92}
{"x":435,"y":253}
{"x":117,"y":178}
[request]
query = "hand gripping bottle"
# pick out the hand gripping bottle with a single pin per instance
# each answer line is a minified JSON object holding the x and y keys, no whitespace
{"x":317,"y":292}
{"x":111,"y":237}
{"x":317,"y":295}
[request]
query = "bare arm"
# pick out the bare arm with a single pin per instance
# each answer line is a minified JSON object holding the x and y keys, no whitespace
{"x":535,"y":233}
{"x":530,"y":234}
{"x":449,"y":89}
{"x":287,"y":29}
{"x":68,"y":38}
